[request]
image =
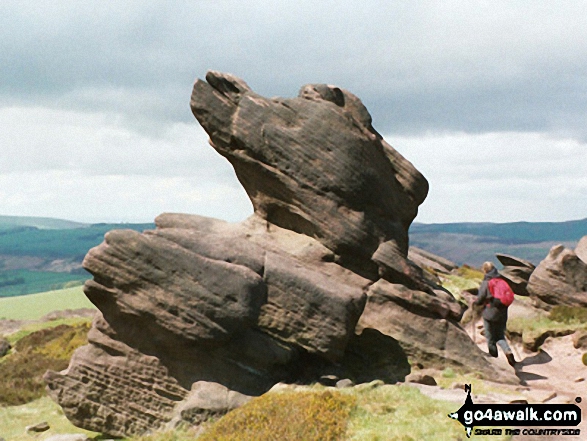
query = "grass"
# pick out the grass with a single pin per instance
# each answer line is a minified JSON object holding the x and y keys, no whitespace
{"x":560,"y":320}
{"x":14,"y":419}
{"x":35,"y":306}
{"x":463,"y":279}
{"x":364,"y":413}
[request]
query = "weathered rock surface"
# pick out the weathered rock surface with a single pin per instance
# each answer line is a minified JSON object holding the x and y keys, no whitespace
{"x":517,"y":272}
{"x":313,"y":164}
{"x":198,"y":314}
{"x":207,"y":400}
{"x":581,"y":249}
{"x":507,"y":260}
{"x":560,"y":279}
{"x":427,"y":260}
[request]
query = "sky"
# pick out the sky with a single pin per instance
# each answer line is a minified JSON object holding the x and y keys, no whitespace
{"x":487,"y":99}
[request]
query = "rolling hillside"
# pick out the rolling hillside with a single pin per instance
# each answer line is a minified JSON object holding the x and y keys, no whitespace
{"x":474,"y":243}
{"x":41,"y":254}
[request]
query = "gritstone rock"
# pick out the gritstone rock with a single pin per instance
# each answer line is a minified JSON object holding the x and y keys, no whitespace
{"x":517,"y":272}
{"x":316,"y":282}
{"x":581,"y":249}
{"x":425,"y":259}
{"x":560,"y":279}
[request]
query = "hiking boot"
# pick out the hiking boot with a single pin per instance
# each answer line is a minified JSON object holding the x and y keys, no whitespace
{"x":511,"y":359}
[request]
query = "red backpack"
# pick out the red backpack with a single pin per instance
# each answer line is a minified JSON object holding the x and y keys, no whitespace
{"x":500,"y":290}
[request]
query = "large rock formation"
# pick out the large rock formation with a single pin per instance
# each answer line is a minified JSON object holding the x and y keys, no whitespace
{"x":317,"y":282}
{"x":561,"y":278}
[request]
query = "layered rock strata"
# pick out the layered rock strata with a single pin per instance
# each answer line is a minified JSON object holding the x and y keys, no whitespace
{"x":316,"y":283}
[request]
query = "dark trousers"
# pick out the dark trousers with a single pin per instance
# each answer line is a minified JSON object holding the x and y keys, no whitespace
{"x":495,"y":335}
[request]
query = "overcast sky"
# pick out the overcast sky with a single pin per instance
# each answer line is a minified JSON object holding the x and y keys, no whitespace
{"x":487,"y":99}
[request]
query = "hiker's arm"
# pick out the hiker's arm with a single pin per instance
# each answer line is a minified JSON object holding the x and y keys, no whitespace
{"x":482,"y":295}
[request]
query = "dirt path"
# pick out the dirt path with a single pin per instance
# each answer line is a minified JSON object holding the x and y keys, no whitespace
{"x":554,"y":374}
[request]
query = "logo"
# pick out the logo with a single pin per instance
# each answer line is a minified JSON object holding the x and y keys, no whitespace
{"x":471,"y":415}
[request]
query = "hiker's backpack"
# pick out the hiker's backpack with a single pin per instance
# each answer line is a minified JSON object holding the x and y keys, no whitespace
{"x":500,"y":290}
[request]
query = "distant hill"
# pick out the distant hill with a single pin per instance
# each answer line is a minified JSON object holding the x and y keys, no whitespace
{"x":43,"y":223}
{"x":474,"y":243}
{"x":41,"y":254}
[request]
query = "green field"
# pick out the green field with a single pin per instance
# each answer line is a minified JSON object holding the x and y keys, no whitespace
{"x":35,"y":306}
{"x":57,"y":244}
{"x":21,"y":282}
{"x":29,"y":248}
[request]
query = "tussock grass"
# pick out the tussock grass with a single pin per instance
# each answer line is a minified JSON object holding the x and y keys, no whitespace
{"x":568,"y":314}
{"x":386,"y":413}
{"x":286,"y":416}
{"x":462,"y":279}
{"x":35,"y":306}
{"x":21,"y":372}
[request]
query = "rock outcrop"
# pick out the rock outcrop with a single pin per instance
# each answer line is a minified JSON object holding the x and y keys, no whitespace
{"x":517,"y":272}
{"x":430,"y":261}
{"x":316,"y":283}
{"x":581,"y":249}
{"x":560,"y":279}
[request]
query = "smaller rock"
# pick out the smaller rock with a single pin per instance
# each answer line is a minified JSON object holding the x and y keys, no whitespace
{"x":4,"y":347}
{"x":581,"y":249}
{"x":541,"y":396}
{"x":579,"y":379}
{"x":519,"y":401}
{"x":507,"y":260}
{"x":458,"y":385}
{"x":580,"y":339}
{"x":419,"y":378}
{"x":344,"y":383}
{"x":207,"y":400}
{"x":328,"y":380}
{"x":372,"y":385}
{"x":37,"y":428}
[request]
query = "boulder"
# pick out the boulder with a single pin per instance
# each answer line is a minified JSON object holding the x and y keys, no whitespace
{"x":427,"y":260}
{"x":426,"y":329}
{"x":199,"y":314}
{"x":581,"y":249}
{"x":517,"y":272}
{"x":507,"y":260}
{"x":38,"y":428}
{"x":205,"y":401}
{"x":560,"y":279}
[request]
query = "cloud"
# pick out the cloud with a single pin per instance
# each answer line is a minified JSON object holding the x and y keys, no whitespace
{"x":486,"y":96}
{"x":419,"y":66}
{"x":117,"y":198}
{"x":504,"y":177}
